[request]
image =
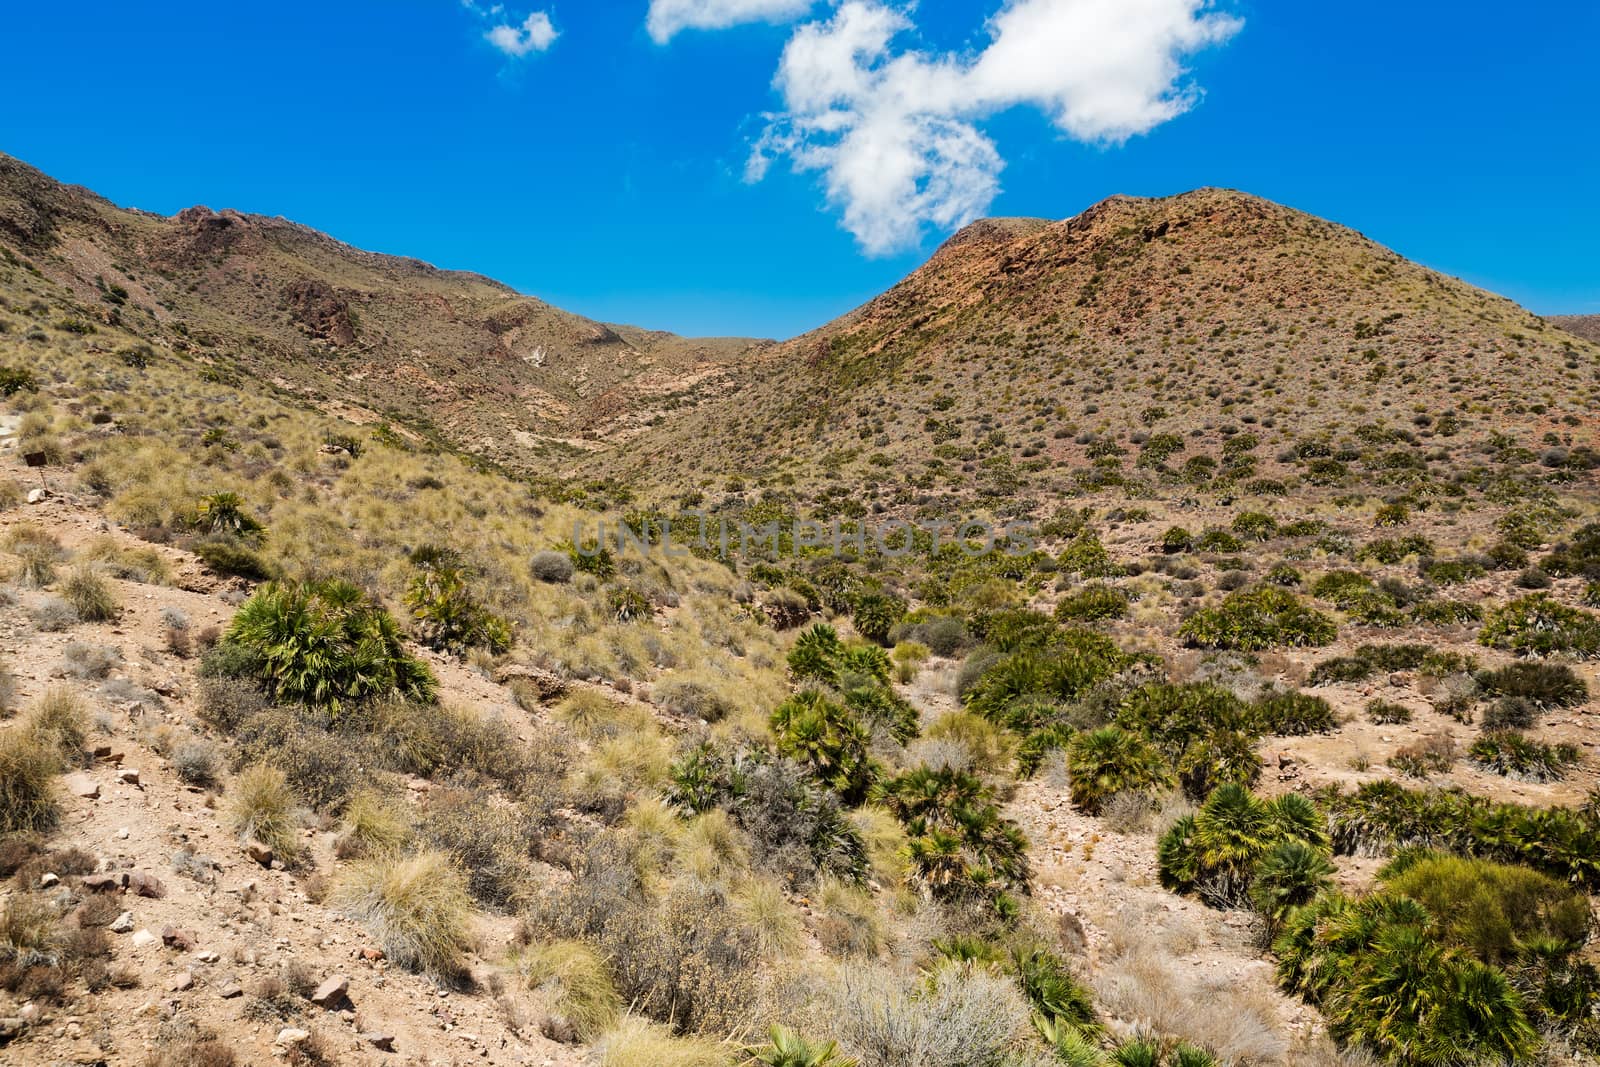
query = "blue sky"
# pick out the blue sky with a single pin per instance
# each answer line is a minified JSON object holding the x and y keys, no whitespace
{"x":598,"y":154}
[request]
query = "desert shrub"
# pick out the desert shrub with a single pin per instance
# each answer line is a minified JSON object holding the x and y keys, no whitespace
{"x":960,"y":845}
{"x":549,"y":566}
{"x":14,"y":380}
{"x":692,"y":697}
{"x":1094,"y":603}
{"x":1216,"y":851}
{"x":1387,"y":712}
{"x":261,"y":807}
{"x":448,"y":616}
{"x":1256,"y":619}
{"x":230,"y":556}
{"x":1434,"y":754}
{"x":1102,"y":763}
{"x":679,"y":953}
{"x":595,"y":560}
{"x":1294,"y":714}
{"x":1510,"y":713}
{"x":53,"y":615}
{"x":326,"y":644}
{"x":577,"y":983}
{"x":1507,"y":752}
{"x":417,"y":908}
{"x":876,"y":614}
{"x":1547,"y":685}
{"x":1176,"y":539}
{"x":1255,"y":525}
{"x":90,"y":595}
{"x":1446,"y":612}
{"x":796,"y":828}
{"x":195,"y":761}
{"x":488,"y":837}
{"x":943,"y":635}
{"x":1536,"y":625}
{"x":319,"y":768}
{"x":1218,"y":541}
{"x":86,"y":660}
{"x":959,"y":1015}
{"x":29,"y":764}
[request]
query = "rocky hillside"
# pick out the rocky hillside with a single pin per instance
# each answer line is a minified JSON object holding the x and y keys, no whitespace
{"x":1585,"y":326}
{"x":453,"y":355}
{"x":1044,"y":346}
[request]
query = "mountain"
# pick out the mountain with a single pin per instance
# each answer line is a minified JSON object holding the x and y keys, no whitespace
{"x":456,"y":354}
{"x":1584,"y":326}
{"x":1035,"y":348}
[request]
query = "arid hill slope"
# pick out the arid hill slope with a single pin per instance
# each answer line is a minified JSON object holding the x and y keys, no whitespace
{"x":1046,"y":345}
{"x":488,"y":369}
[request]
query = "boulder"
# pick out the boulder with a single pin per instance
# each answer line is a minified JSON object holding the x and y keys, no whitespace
{"x":174,"y":937}
{"x":259,"y":852}
{"x":380,"y":1041}
{"x":331,"y":993}
{"x":146,"y":885}
{"x":81,"y":785}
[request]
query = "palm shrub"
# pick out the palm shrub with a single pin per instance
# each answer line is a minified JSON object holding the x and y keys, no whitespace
{"x":1421,"y":971}
{"x":785,"y":1048}
{"x":876,"y":614}
{"x":1289,"y":876}
{"x":224,"y":513}
{"x":1294,"y":714}
{"x":328,"y":645}
{"x":1094,"y":603}
{"x":828,"y":739}
{"x":1216,"y":851}
{"x":447,"y":615}
{"x":1059,"y":1000}
{"x":1549,"y":685}
{"x":1537,"y":625}
{"x":1062,"y":667}
{"x":814,"y":657}
{"x":1102,"y":763}
{"x":961,"y":847}
{"x":1206,"y":732}
{"x":1506,"y":752}
{"x":1254,"y":619}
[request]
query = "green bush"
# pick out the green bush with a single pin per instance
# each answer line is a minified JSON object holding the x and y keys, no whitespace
{"x":1536,"y":625}
{"x":876,"y":614}
{"x":328,"y":645}
{"x":1387,"y":712}
{"x":447,"y":614}
{"x":1255,"y":525}
{"x":1203,"y":730}
{"x":1216,"y":851}
{"x":1102,"y":763}
{"x":1255,"y":619}
{"x":1507,"y":752}
{"x":14,"y":380}
{"x":1093,"y":603}
{"x":224,"y":514}
{"x":230,"y":556}
{"x":815,"y":731}
{"x":1547,"y":685}
{"x":960,"y":846}
{"x":1294,"y":714}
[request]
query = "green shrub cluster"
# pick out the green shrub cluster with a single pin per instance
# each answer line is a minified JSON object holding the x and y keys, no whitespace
{"x":1537,"y":625}
{"x":325,"y":644}
{"x":1381,"y":817}
{"x":1094,"y":603}
{"x":1507,"y":752}
{"x":447,"y":615}
{"x":1219,"y":851}
{"x":960,"y":848}
{"x":1255,"y":619}
{"x":1450,"y":960}
{"x":1203,"y":731}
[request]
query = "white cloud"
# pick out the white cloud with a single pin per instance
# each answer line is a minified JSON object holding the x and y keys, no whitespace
{"x":536,"y":34}
{"x":894,"y":131}
{"x":668,"y":17}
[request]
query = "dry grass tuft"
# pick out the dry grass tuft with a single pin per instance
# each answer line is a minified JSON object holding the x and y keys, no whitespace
{"x":578,"y":984}
{"x":416,"y":906}
{"x":262,"y":806}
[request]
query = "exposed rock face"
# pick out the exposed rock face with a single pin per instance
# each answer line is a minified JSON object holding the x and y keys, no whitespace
{"x":320,"y":311}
